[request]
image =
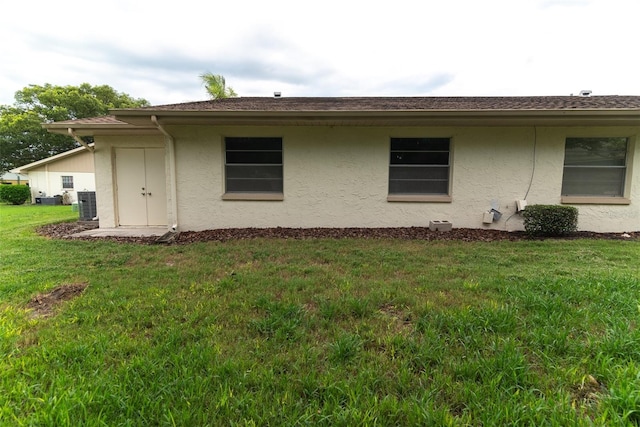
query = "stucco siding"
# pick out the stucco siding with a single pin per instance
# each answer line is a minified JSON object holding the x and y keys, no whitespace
{"x":338,"y":177}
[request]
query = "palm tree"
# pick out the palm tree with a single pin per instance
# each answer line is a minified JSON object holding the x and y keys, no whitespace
{"x":216,"y":86}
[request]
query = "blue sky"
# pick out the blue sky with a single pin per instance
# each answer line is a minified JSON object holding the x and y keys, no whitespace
{"x":157,"y":49}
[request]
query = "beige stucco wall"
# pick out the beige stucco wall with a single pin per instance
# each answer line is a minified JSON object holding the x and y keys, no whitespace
{"x":338,"y":177}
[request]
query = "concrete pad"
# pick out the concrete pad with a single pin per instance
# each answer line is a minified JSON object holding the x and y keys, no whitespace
{"x":123,"y":232}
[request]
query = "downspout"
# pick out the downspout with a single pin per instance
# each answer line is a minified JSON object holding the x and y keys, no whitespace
{"x":170,"y":146}
{"x":79,"y":140}
{"x":47,"y":193}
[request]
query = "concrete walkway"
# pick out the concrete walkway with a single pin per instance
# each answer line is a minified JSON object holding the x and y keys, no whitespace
{"x":124,"y":232}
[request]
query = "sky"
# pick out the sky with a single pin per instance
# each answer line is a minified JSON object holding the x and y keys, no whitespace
{"x":158,"y":49}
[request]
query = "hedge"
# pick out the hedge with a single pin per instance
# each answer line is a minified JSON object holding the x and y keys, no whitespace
{"x":15,"y":194}
{"x":550,"y":220}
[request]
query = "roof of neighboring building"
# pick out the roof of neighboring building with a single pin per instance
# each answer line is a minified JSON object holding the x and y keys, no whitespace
{"x":10,"y":176}
{"x":104,"y":120}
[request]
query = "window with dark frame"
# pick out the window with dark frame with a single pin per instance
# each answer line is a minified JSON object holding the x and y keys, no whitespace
{"x":595,"y":167}
{"x":419,"y":166}
{"x":253,"y":165}
{"x":67,"y":182}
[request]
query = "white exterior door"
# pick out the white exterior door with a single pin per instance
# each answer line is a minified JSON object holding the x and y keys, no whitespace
{"x":141,"y":186}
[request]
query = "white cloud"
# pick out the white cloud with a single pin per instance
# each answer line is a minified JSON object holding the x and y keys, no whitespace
{"x":157,"y":49}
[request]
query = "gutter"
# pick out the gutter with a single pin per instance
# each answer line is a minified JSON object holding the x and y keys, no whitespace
{"x":171,"y":151}
{"x":566,"y":117}
{"x":79,"y":140}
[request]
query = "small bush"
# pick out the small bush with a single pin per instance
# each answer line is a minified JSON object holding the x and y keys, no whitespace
{"x":15,"y":194}
{"x":550,"y":220}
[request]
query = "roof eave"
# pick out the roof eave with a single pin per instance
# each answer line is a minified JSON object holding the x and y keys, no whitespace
{"x":92,"y":129}
{"x":385,"y":118}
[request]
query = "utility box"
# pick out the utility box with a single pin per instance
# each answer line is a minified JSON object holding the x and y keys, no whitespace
{"x":87,"y":205}
{"x":440,"y":226}
{"x":520,"y":205}
{"x":49,"y":200}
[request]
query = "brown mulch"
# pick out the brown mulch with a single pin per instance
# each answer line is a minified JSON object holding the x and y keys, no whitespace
{"x":43,"y":305}
{"x":65,"y":230}
{"x":403,"y":233}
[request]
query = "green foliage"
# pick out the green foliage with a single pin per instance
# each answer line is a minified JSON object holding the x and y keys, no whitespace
{"x":216,"y":86}
{"x":550,"y":220}
{"x":22,"y":138}
{"x":15,"y":194}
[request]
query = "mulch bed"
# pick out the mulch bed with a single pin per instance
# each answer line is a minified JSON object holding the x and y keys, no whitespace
{"x":65,"y":230}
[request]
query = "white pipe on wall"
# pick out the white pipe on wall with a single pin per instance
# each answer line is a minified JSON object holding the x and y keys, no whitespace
{"x":171,"y":152}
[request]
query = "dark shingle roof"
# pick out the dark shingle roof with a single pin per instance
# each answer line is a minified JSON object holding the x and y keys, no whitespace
{"x":370,"y":111}
{"x":514,"y":103}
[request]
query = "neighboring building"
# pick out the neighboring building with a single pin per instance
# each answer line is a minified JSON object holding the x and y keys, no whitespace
{"x":67,"y":172}
{"x":366,"y":162}
{"x":14,"y":178}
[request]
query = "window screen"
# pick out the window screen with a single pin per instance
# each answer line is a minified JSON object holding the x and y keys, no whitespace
{"x":253,"y":165}
{"x":594,"y":167}
{"x":419,"y":166}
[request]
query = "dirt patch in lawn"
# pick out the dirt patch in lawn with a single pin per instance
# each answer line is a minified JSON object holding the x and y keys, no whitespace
{"x":44,"y":305}
{"x":589,"y":392}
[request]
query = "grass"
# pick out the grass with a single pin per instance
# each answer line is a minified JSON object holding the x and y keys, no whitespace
{"x":323,"y":332}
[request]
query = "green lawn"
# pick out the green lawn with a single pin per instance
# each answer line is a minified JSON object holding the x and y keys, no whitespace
{"x":318,"y":332}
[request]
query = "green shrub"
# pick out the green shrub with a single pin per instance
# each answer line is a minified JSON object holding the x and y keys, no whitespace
{"x":15,"y":194}
{"x":550,"y":220}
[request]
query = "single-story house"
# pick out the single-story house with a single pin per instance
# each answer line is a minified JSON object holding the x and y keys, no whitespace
{"x":63,"y":174}
{"x":366,"y":161}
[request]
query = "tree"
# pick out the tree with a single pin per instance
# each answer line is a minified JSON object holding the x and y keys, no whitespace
{"x":22,"y":138}
{"x":216,"y":86}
